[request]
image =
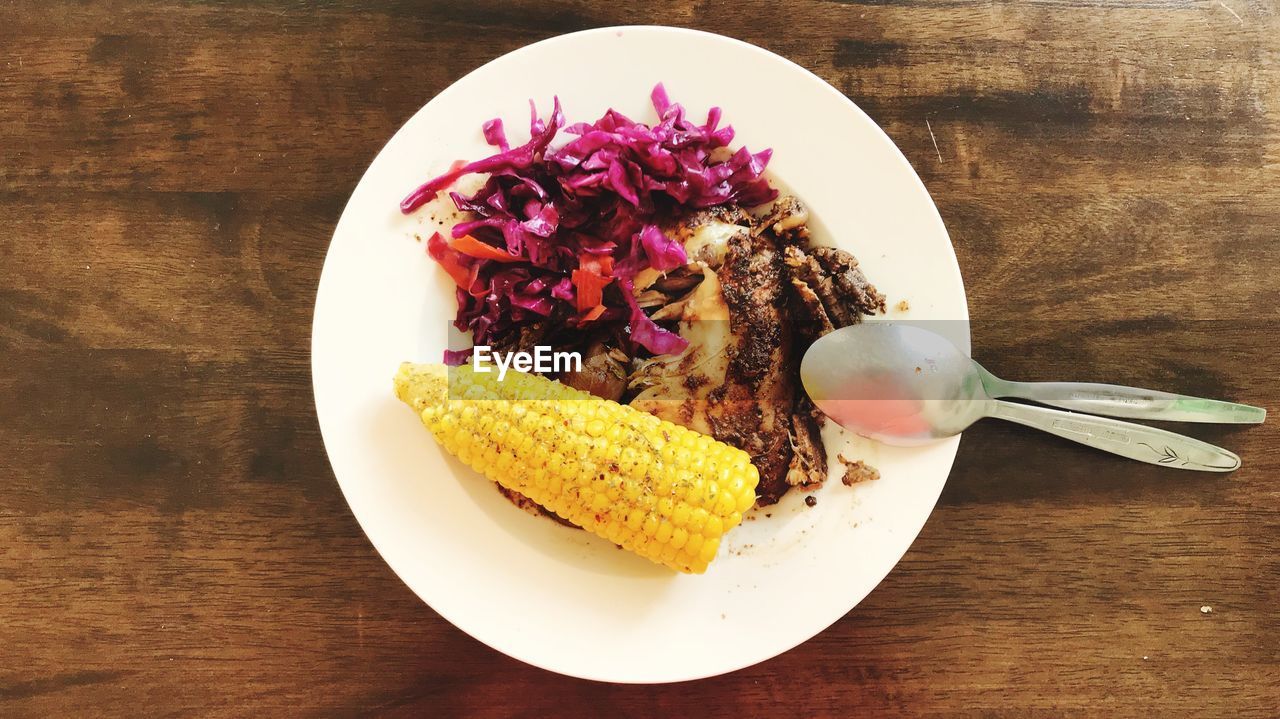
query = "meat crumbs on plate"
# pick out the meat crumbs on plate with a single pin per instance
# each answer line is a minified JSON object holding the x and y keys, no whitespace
{"x":856,"y":471}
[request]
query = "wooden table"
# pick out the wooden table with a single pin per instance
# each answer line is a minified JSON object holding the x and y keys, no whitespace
{"x":173,"y":542}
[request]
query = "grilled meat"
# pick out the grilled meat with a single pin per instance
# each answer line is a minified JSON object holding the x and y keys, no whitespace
{"x":762,"y":299}
{"x":524,"y":339}
{"x":754,"y":409}
{"x":808,"y":466}
{"x":735,"y":381}
{"x":603,"y":372}
{"x":788,"y":219}
{"x":854,"y":290}
{"x":677,"y":388}
{"x":810,"y":277}
{"x":707,"y":234}
{"x":829,"y":289}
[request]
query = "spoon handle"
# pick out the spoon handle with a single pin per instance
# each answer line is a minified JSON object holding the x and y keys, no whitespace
{"x":1135,"y":441}
{"x":1115,"y":400}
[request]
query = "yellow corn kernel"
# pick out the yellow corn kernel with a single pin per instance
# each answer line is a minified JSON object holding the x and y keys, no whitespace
{"x":599,"y":502}
{"x":627,"y":461}
{"x":650,"y":526}
{"x":668,"y":554}
{"x":612,"y":453}
{"x":502,"y":464}
{"x":663,"y":535}
{"x":600,"y":486}
{"x":726,"y":503}
{"x":697,"y":520}
{"x":613,"y":531}
{"x":697,"y":463}
{"x":680,"y":516}
{"x":694,"y":546}
{"x":635,"y":518}
{"x":709,"y":549}
{"x":733,"y":520}
{"x":646,"y":459}
{"x":632,"y":490}
{"x":710,"y":496}
{"x":613,"y":434}
{"x":654,"y":488}
{"x":714,"y":526}
{"x":615,"y":491}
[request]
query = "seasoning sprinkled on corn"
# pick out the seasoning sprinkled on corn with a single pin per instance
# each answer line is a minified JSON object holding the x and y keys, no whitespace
{"x":652,"y":487}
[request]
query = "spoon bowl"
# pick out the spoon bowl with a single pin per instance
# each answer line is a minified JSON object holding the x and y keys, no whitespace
{"x":904,"y":385}
{"x":896,"y":383}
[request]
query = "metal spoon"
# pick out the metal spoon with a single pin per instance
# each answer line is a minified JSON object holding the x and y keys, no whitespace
{"x":904,"y":385}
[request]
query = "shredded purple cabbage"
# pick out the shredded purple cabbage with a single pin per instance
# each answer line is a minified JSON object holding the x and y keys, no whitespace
{"x":602,"y":194}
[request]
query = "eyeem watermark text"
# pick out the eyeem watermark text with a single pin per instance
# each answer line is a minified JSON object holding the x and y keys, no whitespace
{"x":542,"y":359}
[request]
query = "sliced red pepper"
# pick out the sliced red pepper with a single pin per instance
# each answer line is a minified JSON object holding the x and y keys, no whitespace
{"x":591,"y":314}
{"x":594,"y":273}
{"x":474,"y":288}
{"x":590,"y":288}
{"x":450,"y":260}
{"x":472,"y":247}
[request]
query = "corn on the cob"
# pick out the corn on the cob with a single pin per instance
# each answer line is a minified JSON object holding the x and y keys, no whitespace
{"x":652,"y":487}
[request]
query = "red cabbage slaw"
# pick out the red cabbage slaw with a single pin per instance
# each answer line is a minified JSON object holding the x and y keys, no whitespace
{"x":564,"y":230}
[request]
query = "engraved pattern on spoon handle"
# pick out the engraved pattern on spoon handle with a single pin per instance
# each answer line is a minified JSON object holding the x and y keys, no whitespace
{"x":1135,"y":441}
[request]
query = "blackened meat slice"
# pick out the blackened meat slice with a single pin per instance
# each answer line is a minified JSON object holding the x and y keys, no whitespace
{"x":788,"y":219}
{"x":603,"y":373}
{"x":807,"y":270}
{"x":809,"y":456}
{"x":736,"y":380}
{"x":857,"y":293}
{"x":759,"y":420}
{"x":814,"y":321}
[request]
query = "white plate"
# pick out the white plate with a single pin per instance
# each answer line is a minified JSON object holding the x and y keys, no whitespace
{"x":559,"y":598}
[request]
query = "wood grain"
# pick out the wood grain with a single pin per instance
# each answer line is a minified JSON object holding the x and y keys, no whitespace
{"x":172,"y":540}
